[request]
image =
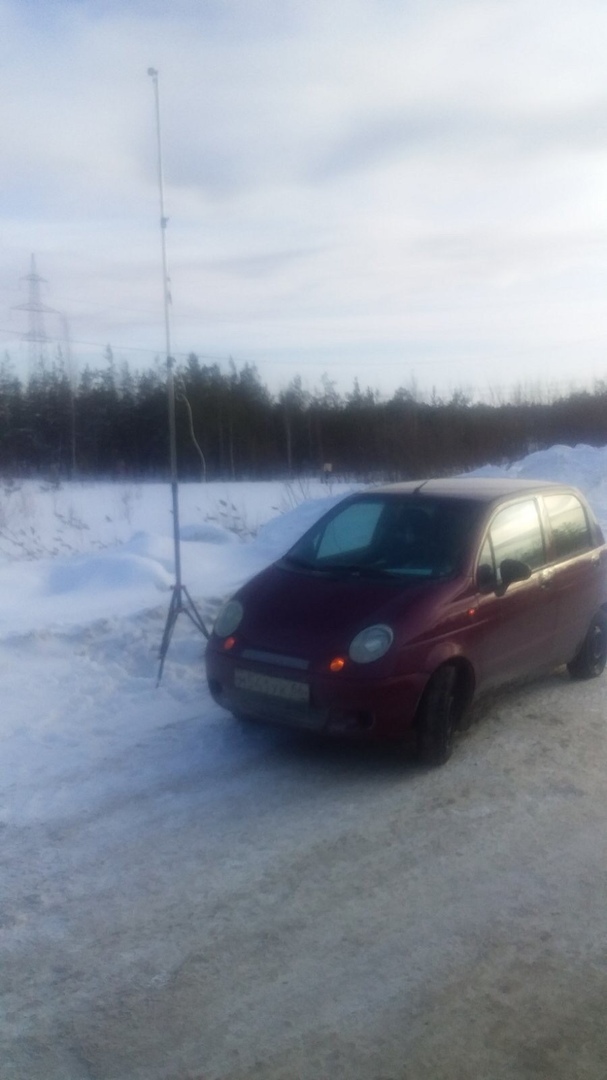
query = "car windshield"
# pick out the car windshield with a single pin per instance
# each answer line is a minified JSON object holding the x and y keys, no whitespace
{"x":392,"y":536}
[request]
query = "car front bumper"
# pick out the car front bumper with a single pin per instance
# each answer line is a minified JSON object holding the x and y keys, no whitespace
{"x":351,"y":705}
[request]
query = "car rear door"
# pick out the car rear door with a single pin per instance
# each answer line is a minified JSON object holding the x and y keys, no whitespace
{"x":515,"y":625}
{"x":578,"y":566}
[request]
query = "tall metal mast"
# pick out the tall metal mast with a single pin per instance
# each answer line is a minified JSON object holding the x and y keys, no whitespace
{"x":181,"y":599}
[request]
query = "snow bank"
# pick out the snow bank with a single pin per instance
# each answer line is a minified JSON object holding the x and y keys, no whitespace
{"x":89,"y":551}
{"x":583,"y":466}
{"x":83,"y":552}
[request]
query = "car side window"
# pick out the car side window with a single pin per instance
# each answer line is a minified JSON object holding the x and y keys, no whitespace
{"x":351,"y":530}
{"x":569,"y":525}
{"x":516,"y":533}
{"x":486,"y":567}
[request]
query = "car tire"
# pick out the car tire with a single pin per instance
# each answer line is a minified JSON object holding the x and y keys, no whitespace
{"x":592,"y":657}
{"x":438,"y":716}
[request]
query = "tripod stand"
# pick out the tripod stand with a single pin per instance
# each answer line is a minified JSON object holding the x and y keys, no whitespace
{"x":181,"y":601}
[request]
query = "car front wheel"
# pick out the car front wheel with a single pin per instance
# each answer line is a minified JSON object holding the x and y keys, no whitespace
{"x":438,"y":716}
{"x":592,"y":657}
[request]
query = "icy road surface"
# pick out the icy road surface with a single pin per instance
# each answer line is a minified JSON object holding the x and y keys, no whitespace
{"x":191,"y":899}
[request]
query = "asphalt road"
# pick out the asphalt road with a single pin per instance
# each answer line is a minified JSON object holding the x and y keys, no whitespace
{"x":264,"y":906}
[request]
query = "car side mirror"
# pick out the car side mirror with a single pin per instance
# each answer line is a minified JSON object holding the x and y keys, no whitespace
{"x":512,"y":570}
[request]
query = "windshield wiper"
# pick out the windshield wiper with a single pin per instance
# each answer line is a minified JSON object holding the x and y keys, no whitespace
{"x":354,"y":569}
{"x":358,"y":569}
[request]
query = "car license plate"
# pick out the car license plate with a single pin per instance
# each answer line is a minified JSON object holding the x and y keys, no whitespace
{"x":287,"y":689}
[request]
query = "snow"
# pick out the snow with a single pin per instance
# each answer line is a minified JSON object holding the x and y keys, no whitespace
{"x":182,"y":897}
{"x":582,"y":466}
{"x":82,"y":552}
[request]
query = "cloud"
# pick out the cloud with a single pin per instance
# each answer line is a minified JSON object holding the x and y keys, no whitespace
{"x":392,"y":177}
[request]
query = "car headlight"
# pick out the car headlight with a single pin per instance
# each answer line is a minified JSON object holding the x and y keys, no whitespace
{"x":228,"y":618}
{"x":371,"y":644}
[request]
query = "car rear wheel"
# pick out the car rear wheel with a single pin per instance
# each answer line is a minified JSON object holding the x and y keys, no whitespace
{"x":438,"y":715}
{"x":592,"y":657}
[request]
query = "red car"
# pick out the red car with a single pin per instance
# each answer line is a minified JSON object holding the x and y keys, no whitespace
{"x":404,"y":601}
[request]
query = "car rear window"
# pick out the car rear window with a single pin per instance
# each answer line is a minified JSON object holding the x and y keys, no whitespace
{"x":569,"y":524}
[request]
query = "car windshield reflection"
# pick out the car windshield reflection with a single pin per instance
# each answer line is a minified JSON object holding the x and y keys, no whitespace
{"x":382,"y":536}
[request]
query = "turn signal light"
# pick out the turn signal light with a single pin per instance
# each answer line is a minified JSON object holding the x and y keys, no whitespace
{"x":337,"y":664}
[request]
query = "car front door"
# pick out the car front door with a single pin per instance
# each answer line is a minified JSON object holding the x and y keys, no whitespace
{"x":515,"y":623}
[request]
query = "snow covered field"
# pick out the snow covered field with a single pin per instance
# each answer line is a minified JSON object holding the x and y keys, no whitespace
{"x":181,"y":897}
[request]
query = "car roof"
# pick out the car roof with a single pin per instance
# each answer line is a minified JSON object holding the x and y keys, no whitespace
{"x":485,"y":489}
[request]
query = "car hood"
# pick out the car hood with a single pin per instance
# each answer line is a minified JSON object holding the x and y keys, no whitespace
{"x":304,"y":614}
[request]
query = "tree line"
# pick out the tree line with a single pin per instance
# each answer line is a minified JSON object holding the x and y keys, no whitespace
{"x":113,"y":422}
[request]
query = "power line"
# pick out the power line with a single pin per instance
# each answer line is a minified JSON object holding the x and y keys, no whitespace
{"x":139,"y":348}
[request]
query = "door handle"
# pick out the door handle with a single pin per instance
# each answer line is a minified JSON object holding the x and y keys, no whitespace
{"x":546,"y":579}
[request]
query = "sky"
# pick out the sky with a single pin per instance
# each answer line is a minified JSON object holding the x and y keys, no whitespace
{"x":413,"y":194}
